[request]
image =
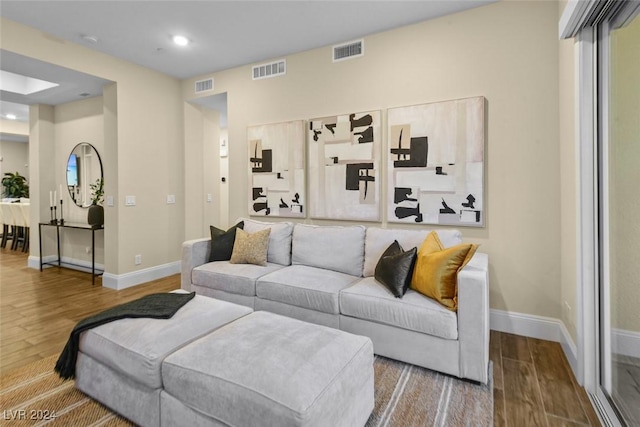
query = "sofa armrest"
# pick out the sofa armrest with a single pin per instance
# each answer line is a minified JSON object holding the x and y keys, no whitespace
{"x":473,"y":318}
{"x":194,"y":253}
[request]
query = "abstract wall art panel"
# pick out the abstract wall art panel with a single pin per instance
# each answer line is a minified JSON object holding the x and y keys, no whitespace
{"x":344,"y":167}
{"x":276,"y":170}
{"x":435,"y":160}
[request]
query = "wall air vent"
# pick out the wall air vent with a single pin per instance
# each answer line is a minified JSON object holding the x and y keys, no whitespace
{"x":272,"y":69}
{"x":204,"y":85}
{"x":348,"y":50}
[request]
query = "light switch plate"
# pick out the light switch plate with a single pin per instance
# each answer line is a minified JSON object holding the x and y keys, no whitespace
{"x":171,"y":198}
{"x":130,"y":200}
{"x":209,"y":198}
{"x":109,"y":200}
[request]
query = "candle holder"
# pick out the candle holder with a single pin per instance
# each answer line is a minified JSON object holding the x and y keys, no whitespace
{"x":61,"y":215}
{"x":53,"y":221}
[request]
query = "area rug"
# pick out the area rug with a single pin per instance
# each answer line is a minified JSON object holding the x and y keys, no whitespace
{"x":406,"y":395}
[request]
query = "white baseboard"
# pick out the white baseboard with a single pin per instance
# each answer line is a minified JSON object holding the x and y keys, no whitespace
{"x":80,"y":265}
{"x":127,"y":280}
{"x":544,"y":328}
{"x":625,"y":342}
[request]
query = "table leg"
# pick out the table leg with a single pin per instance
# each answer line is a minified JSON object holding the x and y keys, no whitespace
{"x":40,"y":243}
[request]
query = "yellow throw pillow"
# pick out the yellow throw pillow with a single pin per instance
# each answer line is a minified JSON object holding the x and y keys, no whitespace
{"x":436,"y":271}
{"x":250,"y":248}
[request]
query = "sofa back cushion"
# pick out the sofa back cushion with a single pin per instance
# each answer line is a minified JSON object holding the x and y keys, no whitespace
{"x":379,"y":239}
{"x":331,"y":247}
{"x":279,"y":251}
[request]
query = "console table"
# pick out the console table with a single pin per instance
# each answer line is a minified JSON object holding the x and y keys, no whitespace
{"x":59,"y":262}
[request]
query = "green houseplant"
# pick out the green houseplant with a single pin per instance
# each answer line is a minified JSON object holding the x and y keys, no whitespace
{"x":15,"y":185}
{"x":95,"y":216}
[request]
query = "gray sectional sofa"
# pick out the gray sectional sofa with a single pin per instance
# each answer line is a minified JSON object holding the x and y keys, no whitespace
{"x":324,"y":275}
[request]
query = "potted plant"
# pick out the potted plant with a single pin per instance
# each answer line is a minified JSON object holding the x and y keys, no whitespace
{"x":95,"y":217}
{"x":15,"y":185}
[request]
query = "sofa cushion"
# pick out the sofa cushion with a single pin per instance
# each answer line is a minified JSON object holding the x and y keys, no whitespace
{"x":222,"y":242}
{"x":133,"y":346}
{"x":379,"y":239}
{"x":436,"y":271}
{"x":303,"y":286}
{"x":330,"y":247}
{"x":395,"y":268}
{"x":233,"y":278}
{"x":369,"y":300}
{"x":250,"y":248}
{"x":279,"y":251}
{"x":271,"y":370}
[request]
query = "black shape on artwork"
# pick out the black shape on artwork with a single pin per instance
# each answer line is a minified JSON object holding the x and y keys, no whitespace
{"x":257,"y":193}
{"x":354,"y":177}
{"x":331,"y":127}
{"x":283,"y":204}
{"x":470,"y":202}
{"x":446,"y":209}
{"x":366,"y":135}
{"x":405,"y":212}
{"x":401,"y":194}
{"x":315,"y":134}
{"x":439,"y":171}
{"x":365,"y":120}
{"x":335,"y":159}
{"x":262,"y":164}
{"x":296,"y":199}
{"x":413,"y":157}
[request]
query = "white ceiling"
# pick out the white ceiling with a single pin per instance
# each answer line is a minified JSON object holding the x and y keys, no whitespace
{"x":224,"y":34}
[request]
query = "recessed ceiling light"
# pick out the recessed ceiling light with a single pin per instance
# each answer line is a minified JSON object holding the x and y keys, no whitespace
{"x":11,"y":116}
{"x":90,"y":39}
{"x":180,"y":40}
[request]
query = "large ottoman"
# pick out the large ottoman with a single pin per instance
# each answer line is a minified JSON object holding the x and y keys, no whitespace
{"x":120,"y":363}
{"x":268,"y":370}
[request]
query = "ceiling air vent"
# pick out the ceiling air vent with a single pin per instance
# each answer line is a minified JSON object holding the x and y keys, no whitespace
{"x":348,"y":50}
{"x":204,"y":85}
{"x":272,"y":69}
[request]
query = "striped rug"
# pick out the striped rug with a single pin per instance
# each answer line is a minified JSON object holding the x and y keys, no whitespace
{"x":405,"y":395}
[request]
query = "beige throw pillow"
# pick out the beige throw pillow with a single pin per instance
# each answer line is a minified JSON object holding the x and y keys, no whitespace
{"x":250,"y":248}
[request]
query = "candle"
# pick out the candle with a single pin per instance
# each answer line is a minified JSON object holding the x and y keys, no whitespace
{"x":60,"y":192}
{"x":55,"y":199}
{"x":50,"y":199}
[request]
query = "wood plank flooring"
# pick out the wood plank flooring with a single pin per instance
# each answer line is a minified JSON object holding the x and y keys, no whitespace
{"x":533,"y":383}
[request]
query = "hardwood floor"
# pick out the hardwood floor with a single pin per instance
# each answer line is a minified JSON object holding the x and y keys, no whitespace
{"x":38,"y":310}
{"x":533,"y":383}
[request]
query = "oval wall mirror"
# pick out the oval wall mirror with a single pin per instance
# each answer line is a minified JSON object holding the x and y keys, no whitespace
{"x":84,"y":167}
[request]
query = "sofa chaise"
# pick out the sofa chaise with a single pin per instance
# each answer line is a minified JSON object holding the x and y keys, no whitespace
{"x":325,"y":275}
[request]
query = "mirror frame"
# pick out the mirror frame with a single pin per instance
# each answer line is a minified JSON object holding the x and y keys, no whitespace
{"x":99,"y":162}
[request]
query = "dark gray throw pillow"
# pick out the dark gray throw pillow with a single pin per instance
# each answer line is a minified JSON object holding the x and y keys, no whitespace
{"x":222,"y":242}
{"x":395,"y":268}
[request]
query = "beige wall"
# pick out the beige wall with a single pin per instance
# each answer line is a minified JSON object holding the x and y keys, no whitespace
{"x":202,"y":170}
{"x":624,"y":175}
{"x":507,"y":52}
{"x":144,"y":154}
{"x":76,"y":122}
{"x":15,"y":158}
{"x":15,"y":155}
{"x":568,"y":184}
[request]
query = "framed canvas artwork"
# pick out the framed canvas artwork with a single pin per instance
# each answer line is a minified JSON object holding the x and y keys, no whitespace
{"x":435,"y":163}
{"x":344,"y":166}
{"x":277,"y":170}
